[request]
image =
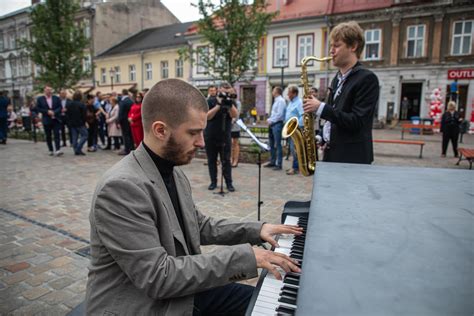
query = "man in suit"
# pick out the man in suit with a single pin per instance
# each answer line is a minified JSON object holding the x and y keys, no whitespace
{"x":4,"y":103}
{"x":350,"y":108}
{"x":50,"y":107}
{"x":146,"y":232}
{"x":125,"y":105}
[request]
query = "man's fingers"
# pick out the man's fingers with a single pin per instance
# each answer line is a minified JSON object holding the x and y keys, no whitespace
{"x":273,"y":270}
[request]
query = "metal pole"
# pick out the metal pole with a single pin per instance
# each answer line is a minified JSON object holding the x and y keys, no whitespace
{"x":112,"y":83}
{"x":282,"y":71}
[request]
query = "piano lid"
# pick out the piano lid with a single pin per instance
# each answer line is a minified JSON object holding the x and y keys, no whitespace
{"x":389,"y":241}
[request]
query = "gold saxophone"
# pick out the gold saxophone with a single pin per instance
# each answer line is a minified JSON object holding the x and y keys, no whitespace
{"x":304,"y":139}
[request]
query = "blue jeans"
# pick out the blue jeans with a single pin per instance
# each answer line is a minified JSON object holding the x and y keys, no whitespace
{"x":230,"y":299}
{"x":274,"y":135}
{"x":78,"y":144}
{"x":293,"y":153}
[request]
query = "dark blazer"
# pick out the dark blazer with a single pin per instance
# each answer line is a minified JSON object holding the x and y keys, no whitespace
{"x":75,"y":114}
{"x":124,"y":107}
{"x":42,"y":107}
{"x":351,"y":115}
{"x":450,"y":122}
{"x":4,"y":102}
{"x":136,"y":267}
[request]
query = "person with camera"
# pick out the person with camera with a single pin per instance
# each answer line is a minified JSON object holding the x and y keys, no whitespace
{"x":222,"y":109}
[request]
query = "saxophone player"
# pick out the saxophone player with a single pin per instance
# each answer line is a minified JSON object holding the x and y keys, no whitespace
{"x":352,"y":100}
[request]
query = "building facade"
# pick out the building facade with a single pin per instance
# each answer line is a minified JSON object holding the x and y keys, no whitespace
{"x":104,"y":24}
{"x":143,"y":59}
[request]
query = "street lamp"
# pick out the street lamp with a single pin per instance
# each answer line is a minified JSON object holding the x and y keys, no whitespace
{"x":112,"y":74}
{"x":283,"y":64}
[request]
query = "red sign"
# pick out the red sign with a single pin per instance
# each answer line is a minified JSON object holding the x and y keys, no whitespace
{"x":461,"y":73}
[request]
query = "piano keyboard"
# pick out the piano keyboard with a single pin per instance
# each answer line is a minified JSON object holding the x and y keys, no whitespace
{"x":278,"y":297}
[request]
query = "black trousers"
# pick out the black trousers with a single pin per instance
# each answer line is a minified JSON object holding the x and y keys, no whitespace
{"x":127,"y":136}
{"x":92,"y":135}
{"x":450,"y":135}
{"x":231,"y":299}
{"x":49,"y":129}
{"x":222,"y":148}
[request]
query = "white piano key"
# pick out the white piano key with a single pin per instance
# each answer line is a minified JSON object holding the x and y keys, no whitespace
{"x":291,"y":220}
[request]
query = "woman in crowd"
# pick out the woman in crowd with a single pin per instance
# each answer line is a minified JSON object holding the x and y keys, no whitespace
{"x":11,"y":117}
{"x":135,"y":119}
{"x":92,"y":123}
{"x":25,"y":113}
{"x":450,"y":128}
{"x":113,"y":127}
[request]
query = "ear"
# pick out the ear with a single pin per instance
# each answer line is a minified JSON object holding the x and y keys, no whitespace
{"x":160,"y":130}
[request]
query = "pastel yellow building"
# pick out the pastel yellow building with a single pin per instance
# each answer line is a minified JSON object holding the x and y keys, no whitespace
{"x":143,"y":59}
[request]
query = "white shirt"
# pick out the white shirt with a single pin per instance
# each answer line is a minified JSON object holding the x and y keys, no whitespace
{"x":327,"y":126}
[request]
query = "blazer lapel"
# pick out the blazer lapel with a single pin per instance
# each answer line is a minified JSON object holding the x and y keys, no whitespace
{"x":149,"y":167}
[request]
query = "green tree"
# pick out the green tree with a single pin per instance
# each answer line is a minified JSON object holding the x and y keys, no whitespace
{"x":233,"y":30}
{"x":57,"y":44}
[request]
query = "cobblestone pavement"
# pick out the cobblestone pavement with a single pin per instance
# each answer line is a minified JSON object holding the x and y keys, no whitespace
{"x":45,"y":201}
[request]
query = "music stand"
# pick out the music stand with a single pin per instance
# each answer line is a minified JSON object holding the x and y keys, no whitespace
{"x":262,"y":147}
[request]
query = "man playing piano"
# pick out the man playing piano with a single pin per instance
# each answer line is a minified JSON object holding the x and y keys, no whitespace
{"x":353,"y":96}
{"x":146,"y":232}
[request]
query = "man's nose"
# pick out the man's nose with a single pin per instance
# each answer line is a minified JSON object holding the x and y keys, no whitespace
{"x":200,"y":141}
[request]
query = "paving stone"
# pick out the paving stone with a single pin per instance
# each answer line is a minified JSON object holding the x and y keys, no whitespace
{"x":75,"y":300}
{"x":57,"y":297}
{"x":35,"y":293}
{"x":79,"y":286}
{"x":17,"y":267}
{"x":16,"y":277}
{"x":32,"y":308}
{"x":61,"y":283}
{"x":40,"y":269}
{"x":40,"y":279}
{"x":58,"y":262}
{"x":40,"y":258}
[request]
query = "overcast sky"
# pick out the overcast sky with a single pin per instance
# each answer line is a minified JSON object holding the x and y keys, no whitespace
{"x":182,"y":9}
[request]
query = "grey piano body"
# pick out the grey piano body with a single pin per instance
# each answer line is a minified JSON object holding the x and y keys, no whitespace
{"x":389,"y":241}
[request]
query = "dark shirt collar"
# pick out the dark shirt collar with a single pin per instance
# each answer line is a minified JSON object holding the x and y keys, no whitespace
{"x":165,"y":167}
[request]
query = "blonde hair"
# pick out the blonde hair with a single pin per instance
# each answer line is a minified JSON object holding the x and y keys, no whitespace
{"x":451,"y":105}
{"x":351,"y":34}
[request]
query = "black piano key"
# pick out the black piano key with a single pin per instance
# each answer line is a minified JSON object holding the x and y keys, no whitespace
{"x":287,"y":300}
{"x":295,"y":275}
{"x":296,"y":256}
{"x":291,"y":281}
{"x":285,"y":310}
{"x":292,"y":294}
{"x":289,"y":289}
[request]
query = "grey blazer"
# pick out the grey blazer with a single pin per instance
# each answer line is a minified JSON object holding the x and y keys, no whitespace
{"x":135,"y":269}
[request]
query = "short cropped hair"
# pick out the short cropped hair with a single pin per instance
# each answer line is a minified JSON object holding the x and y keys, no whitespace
{"x":278,"y":89}
{"x":225,"y":85}
{"x":124,"y":92}
{"x":293,"y":89}
{"x":351,"y":34}
{"x":169,"y":101}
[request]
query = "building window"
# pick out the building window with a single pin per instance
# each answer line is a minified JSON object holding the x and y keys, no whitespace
{"x":415,"y":40}
{"x":2,"y":45}
{"x":305,"y":47}
{"x":2,"y":69}
{"x":372,"y":44}
{"x":12,"y":40}
{"x":164,"y":69}
{"x":132,"y":72}
{"x":87,"y":29}
{"x":86,"y":65}
{"x":179,"y":68}
{"x":202,"y":56}
{"x":13,"y":66}
{"x":280,"y":51}
{"x":149,"y":71}
{"x":25,"y":65}
{"x":462,"y":38}
{"x":103,"y":75}
{"x":117,"y":74}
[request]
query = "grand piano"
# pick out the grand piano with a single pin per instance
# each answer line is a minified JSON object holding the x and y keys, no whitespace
{"x":379,"y":240}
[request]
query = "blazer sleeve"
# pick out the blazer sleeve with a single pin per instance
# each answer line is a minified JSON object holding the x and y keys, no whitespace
{"x":40,"y":106}
{"x":124,"y":218}
{"x":57,"y":106}
{"x":366,"y":96}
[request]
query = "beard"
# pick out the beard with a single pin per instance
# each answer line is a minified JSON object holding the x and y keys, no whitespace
{"x":174,"y":152}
